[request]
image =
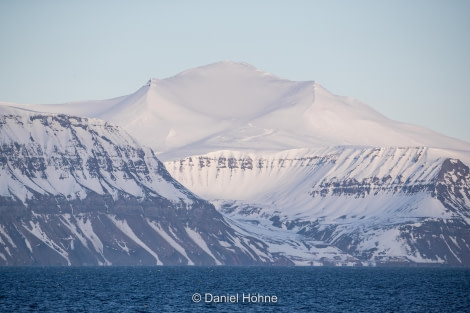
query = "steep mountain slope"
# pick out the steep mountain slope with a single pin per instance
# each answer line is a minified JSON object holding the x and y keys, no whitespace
{"x":234,"y":106}
{"x":319,"y":178}
{"x":343,"y":204}
{"x":78,"y":191}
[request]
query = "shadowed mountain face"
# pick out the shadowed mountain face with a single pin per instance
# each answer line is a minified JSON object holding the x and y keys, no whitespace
{"x":77,"y":191}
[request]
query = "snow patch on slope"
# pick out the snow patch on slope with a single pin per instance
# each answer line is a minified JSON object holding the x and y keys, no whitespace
{"x":169,"y":238}
{"x":35,"y":229}
{"x":124,"y":227}
{"x":196,"y":237}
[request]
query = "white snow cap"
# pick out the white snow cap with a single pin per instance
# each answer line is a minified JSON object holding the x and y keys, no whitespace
{"x":229,"y":105}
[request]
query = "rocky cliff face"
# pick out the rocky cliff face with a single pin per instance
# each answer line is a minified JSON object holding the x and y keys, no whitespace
{"x":81,"y":191}
{"x":78,"y":191}
{"x":343,"y":204}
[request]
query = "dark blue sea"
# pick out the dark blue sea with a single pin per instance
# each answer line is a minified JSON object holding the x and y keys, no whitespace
{"x":233,"y":289}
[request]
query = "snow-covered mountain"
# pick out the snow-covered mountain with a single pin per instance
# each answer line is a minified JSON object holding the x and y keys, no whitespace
{"x":319,"y":178}
{"x":79,"y":191}
{"x":342,"y":204}
{"x":235,"y":106}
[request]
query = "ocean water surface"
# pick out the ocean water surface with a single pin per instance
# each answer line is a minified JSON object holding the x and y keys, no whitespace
{"x":233,"y":289}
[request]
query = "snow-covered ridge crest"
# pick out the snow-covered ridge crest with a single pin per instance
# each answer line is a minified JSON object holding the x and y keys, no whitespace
{"x":223,"y":68}
{"x":29,"y":118}
{"x":229,"y":105}
{"x":240,"y":175}
{"x":69,"y":156}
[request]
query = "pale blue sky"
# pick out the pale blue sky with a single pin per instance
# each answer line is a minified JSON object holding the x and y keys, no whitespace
{"x":410,"y":59}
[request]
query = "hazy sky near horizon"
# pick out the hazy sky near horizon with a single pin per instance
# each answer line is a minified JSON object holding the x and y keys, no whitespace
{"x":408,"y":59}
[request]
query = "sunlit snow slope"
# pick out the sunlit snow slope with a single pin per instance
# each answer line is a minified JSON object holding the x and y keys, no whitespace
{"x":342,"y":205}
{"x":234,"y":106}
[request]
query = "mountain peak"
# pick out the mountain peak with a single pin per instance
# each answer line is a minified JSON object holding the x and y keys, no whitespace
{"x":152,"y":82}
{"x":225,"y":69}
{"x":232,"y":64}
{"x":233,"y":105}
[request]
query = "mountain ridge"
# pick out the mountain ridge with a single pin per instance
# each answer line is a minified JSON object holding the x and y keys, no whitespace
{"x":229,"y":105}
{"x":298,"y":175}
{"x":79,"y":191}
{"x":372,"y":205}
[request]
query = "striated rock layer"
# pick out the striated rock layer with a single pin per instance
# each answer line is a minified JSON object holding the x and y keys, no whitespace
{"x":78,"y":191}
{"x":366,"y":205}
